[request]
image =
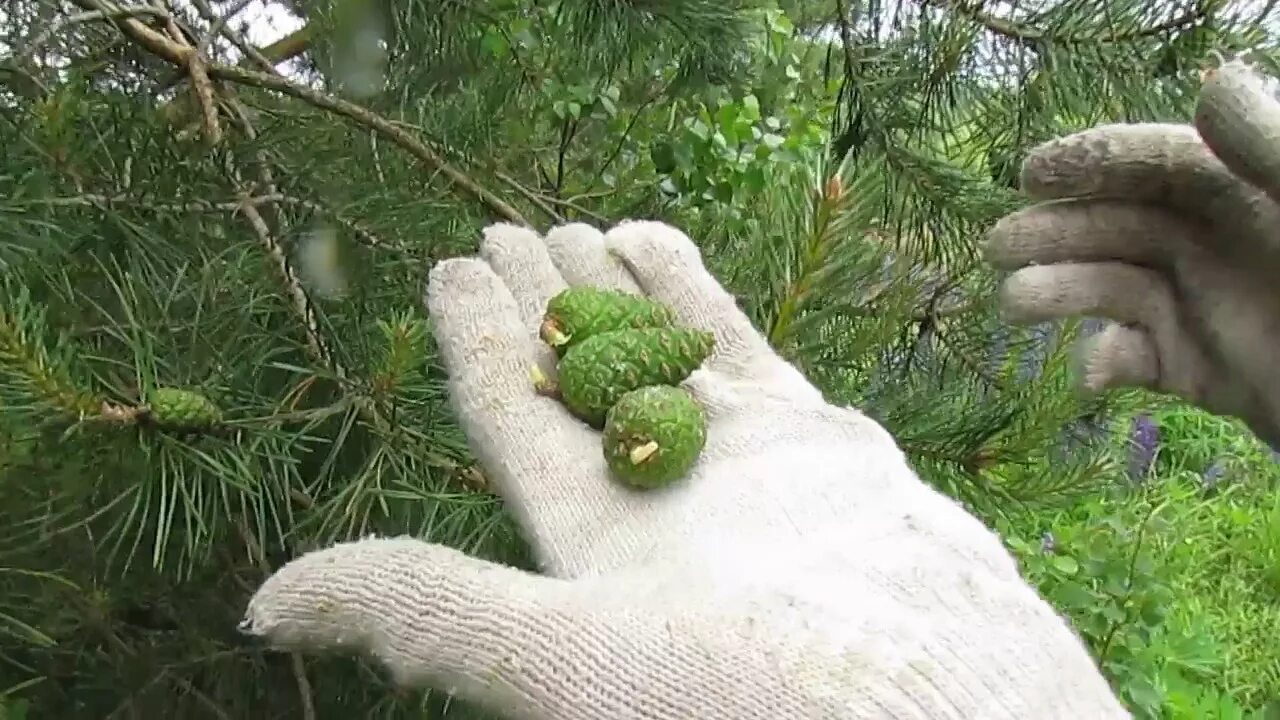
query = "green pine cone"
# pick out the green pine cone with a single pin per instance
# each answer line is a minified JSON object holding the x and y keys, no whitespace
{"x":653,"y":436}
{"x":182,"y":409}
{"x":578,"y":313}
{"x":604,"y":367}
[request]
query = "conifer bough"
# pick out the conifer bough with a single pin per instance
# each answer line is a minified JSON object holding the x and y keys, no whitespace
{"x":622,"y":358}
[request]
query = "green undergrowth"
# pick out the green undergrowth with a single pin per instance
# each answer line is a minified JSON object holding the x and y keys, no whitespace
{"x":1172,"y":577}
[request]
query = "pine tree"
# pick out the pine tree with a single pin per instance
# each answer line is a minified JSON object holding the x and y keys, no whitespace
{"x":248,"y":229}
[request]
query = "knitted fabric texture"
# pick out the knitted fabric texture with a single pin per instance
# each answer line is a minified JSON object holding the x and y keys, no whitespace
{"x":802,"y":572}
{"x":1172,"y":232}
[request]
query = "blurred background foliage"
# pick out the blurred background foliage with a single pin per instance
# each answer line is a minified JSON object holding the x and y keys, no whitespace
{"x":242,"y":199}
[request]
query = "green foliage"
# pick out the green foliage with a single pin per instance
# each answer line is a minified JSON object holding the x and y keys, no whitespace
{"x":1173,"y":584}
{"x":835,"y":161}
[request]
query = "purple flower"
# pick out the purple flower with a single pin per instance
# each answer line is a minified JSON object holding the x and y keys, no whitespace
{"x":1214,"y":474}
{"x":1144,"y":440}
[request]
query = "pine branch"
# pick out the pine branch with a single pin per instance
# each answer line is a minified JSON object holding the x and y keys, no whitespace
{"x":63,"y":21}
{"x":40,"y":380}
{"x":180,"y":55}
{"x":303,"y":307}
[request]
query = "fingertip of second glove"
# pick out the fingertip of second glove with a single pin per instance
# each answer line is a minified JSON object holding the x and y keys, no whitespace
{"x":1077,"y":231}
{"x":1115,"y":159}
{"x":1238,"y":117}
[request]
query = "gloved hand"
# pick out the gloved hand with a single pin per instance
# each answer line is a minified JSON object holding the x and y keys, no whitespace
{"x":1172,"y":232}
{"x":802,"y":571}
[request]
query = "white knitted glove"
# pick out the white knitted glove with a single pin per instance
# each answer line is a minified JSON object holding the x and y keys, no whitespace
{"x":803,"y":571}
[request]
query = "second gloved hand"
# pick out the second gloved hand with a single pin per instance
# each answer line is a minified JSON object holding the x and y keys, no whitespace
{"x":1173,"y":233}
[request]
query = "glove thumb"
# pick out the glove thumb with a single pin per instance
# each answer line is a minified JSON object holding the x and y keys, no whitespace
{"x":435,"y":617}
{"x":530,"y":647}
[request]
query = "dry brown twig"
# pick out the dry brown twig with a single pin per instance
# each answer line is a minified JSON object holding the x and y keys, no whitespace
{"x":546,"y":202}
{"x":296,"y":662}
{"x":365,"y":236}
{"x":194,"y":66}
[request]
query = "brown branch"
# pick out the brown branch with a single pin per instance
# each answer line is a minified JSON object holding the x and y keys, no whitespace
{"x":1031,"y":35}
{"x":203,"y":87}
{"x":180,"y":55}
{"x":538,"y":199}
{"x":295,"y":660}
{"x":62,"y":21}
{"x":383,"y":126}
{"x":364,"y":235}
{"x":293,"y":288}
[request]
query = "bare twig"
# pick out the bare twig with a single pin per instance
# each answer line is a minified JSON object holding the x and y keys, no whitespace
{"x":295,"y":660}
{"x":576,"y":208}
{"x":365,"y":236}
{"x":293,"y":287}
{"x":63,"y":21}
{"x":538,"y":199}
{"x":1031,"y":35}
{"x":203,"y":87}
{"x":218,"y":26}
{"x":545,"y":201}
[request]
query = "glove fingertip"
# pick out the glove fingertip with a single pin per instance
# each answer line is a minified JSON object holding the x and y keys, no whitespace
{"x":1238,"y":118}
{"x":1030,"y":235}
{"x":1024,"y":297}
{"x":1118,"y":356}
{"x":1128,"y":160}
{"x":993,"y":247}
